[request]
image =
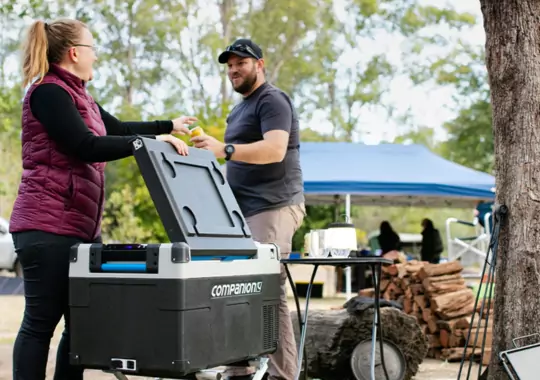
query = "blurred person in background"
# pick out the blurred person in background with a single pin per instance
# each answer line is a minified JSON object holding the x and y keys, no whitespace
{"x":432,"y":245}
{"x":388,"y":238}
{"x":66,"y":139}
{"x":480,"y":212}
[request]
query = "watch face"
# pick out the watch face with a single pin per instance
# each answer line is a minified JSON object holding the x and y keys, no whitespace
{"x":229,"y":149}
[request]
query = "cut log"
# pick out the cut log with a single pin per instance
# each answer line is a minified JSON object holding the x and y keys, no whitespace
{"x":333,"y":334}
{"x":455,"y":354}
{"x":404,"y":283}
{"x":487,"y":311}
{"x":449,"y":314}
{"x":457,"y":323}
{"x":414,"y":267}
{"x":416,"y":309}
{"x":444,"y":337}
{"x":417,"y":289}
{"x":401,"y":270}
{"x":432,"y":325}
{"x":408,"y":292}
{"x":426,"y":315}
{"x":445,"y":287}
{"x":444,"y":278}
{"x":449,"y":340}
{"x":453,"y":305}
{"x":407,"y":305}
{"x":431,"y":270}
{"x":436,"y":295}
{"x":433,"y":341}
{"x":392,"y":292}
{"x":487,"y":356}
{"x":477,"y":341}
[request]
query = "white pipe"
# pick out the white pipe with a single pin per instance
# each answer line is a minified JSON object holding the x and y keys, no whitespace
{"x":348,"y":278}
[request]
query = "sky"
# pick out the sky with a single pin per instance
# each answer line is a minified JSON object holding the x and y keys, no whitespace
{"x":428,"y":105}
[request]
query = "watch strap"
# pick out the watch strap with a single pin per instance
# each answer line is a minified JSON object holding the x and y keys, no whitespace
{"x":229,"y":150}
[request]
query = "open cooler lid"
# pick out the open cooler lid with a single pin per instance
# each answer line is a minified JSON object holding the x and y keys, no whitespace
{"x":193,"y":199}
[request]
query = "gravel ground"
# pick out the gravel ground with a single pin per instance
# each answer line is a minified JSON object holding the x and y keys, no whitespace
{"x":12,"y":307}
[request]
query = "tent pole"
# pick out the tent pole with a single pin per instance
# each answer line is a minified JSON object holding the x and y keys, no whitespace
{"x":348,"y":279}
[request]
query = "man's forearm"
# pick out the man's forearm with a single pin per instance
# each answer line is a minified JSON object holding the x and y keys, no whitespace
{"x":260,"y":153}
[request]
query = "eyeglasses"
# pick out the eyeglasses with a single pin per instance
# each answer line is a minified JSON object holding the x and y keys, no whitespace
{"x":94,"y":48}
{"x":243,"y":49}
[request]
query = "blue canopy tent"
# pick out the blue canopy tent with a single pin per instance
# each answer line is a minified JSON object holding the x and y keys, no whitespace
{"x":389,"y":175}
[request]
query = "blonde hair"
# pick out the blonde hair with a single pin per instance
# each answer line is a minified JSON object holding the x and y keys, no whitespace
{"x":47,"y":43}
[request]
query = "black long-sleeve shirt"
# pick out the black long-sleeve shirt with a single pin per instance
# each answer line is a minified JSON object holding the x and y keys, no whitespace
{"x":54,"y":108}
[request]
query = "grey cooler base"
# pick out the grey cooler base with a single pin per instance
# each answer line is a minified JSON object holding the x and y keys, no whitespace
{"x":183,"y":317}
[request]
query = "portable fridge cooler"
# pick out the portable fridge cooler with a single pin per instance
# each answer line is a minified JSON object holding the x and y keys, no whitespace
{"x":208,"y":298}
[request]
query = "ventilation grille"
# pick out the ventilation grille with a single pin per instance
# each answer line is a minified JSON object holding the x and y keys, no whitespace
{"x":270,"y":327}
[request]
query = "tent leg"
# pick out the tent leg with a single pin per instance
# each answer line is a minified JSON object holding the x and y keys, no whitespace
{"x":348,"y":278}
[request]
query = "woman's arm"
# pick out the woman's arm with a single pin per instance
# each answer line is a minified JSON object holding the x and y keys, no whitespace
{"x":54,"y":108}
{"x":116,"y":127}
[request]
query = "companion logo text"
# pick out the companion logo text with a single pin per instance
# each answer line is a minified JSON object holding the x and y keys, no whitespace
{"x":239,"y":289}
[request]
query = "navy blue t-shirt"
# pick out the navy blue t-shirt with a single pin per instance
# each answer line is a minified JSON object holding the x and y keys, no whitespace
{"x":263,"y":187}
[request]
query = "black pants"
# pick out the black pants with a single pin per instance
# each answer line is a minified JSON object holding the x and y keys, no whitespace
{"x":45,"y":261}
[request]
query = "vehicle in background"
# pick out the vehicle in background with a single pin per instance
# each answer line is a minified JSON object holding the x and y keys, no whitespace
{"x":8,"y":258}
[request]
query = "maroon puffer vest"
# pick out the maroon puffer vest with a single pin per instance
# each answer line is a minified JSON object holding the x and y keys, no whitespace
{"x":59,"y":193}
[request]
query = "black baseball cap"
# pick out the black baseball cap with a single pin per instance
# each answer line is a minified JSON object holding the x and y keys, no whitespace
{"x":242,"y":47}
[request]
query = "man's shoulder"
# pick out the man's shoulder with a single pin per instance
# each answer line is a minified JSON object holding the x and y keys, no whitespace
{"x":273,"y":96}
{"x":271,"y":91}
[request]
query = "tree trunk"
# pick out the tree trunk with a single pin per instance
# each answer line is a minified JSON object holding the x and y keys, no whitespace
{"x":513,"y":64}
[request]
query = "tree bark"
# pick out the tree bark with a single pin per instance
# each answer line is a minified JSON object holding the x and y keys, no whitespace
{"x":513,"y":64}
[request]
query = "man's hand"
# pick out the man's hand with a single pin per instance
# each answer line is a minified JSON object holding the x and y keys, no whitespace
{"x":179,"y":124}
{"x":209,"y":143}
{"x":180,"y":146}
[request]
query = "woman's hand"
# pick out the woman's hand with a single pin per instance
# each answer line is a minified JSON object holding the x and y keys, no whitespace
{"x":180,"y":146}
{"x":179,"y":124}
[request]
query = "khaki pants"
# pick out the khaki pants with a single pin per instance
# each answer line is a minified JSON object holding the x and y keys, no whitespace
{"x":278,"y":226}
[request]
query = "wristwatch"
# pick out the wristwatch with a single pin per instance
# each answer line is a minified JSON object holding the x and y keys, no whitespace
{"x":229,"y":150}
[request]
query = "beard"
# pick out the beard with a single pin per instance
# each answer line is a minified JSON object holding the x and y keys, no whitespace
{"x":247,"y":84}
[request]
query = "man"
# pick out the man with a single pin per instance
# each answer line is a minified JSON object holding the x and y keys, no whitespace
{"x":263,"y":169}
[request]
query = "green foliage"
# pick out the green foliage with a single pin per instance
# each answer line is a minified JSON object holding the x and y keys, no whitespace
{"x":470,"y":137}
{"x":10,"y":172}
{"x":470,"y":141}
{"x":122,"y":223}
{"x":317,"y":217}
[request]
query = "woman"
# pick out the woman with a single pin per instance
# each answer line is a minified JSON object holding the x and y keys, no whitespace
{"x":432,"y":245}
{"x":66,"y":140}
{"x":388,"y":238}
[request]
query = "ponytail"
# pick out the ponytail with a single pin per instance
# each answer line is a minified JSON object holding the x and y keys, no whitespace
{"x":35,"y":47}
{"x":47,"y":43}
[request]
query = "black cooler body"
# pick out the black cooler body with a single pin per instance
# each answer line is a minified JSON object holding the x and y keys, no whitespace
{"x":209,"y":298}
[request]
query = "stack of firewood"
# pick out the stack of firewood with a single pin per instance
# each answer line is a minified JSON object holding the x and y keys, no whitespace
{"x":436,"y":294}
